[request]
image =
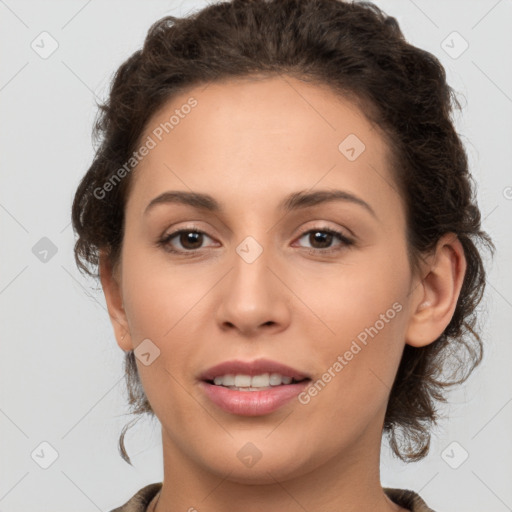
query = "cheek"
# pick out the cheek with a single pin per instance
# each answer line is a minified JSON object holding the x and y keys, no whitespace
{"x":164,"y":315}
{"x":346,"y":298}
{"x":364,"y":306}
{"x":158,"y":295}
{"x":164,"y":305}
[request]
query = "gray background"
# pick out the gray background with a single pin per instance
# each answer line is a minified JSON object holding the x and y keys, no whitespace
{"x":61,"y":376}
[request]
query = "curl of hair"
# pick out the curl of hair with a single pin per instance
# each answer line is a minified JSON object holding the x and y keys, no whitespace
{"x":361,"y":54}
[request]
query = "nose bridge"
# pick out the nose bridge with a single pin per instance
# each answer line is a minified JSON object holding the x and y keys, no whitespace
{"x":251,"y":295}
{"x":254,"y":252}
{"x":251,"y":279}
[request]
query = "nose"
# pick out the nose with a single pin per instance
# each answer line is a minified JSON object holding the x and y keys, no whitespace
{"x":253,"y":300}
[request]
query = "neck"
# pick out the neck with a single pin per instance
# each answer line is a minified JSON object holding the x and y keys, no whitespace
{"x":347,"y":482}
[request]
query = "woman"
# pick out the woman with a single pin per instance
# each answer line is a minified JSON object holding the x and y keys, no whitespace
{"x":283,"y":222}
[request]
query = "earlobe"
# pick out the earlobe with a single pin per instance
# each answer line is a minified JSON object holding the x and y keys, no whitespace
{"x":114,"y":300}
{"x":433,"y":304}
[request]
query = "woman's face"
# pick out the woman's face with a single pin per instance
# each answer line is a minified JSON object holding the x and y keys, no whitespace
{"x":266,"y":277}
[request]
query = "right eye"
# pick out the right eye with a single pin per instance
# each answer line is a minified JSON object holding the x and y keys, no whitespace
{"x":190,"y":240}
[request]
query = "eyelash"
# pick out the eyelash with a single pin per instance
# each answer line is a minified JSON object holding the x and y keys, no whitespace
{"x":346,"y":242}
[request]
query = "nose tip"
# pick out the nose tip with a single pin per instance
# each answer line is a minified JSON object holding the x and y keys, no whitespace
{"x":252,"y":299}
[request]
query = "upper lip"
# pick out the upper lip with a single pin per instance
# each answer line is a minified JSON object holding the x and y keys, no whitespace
{"x":257,"y":367}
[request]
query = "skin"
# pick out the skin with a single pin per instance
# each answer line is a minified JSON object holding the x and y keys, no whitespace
{"x":249,"y":143}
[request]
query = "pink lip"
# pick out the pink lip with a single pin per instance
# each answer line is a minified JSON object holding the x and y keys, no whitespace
{"x":251,"y":368}
{"x":252,"y":403}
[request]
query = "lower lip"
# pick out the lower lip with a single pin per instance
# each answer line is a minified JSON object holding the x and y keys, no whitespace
{"x":252,"y":403}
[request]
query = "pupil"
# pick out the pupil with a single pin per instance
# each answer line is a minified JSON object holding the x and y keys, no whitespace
{"x":321,"y":237}
{"x":191,"y":239}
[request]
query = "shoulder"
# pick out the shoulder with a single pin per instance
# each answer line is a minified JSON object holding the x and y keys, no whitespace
{"x":407,"y":499}
{"x":140,"y":500}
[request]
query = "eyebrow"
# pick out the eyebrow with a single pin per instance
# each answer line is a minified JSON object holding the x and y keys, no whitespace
{"x":294,"y":201}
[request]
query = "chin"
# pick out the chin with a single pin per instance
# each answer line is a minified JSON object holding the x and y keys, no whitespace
{"x":248,"y":465}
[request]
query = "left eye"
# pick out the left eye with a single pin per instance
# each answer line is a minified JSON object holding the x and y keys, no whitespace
{"x":323,"y":238}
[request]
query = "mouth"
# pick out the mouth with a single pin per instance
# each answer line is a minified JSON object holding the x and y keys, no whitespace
{"x":264,"y":381}
{"x":252,"y":388}
{"x":258,"y":373}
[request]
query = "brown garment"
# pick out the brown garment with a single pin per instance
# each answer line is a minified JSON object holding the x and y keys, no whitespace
{"x":406,"y":499}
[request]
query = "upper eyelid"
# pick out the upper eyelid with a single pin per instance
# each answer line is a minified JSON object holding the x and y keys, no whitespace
{"x":174,"y":234}
{"x":319,"y":226}
{"x":203,"y":232}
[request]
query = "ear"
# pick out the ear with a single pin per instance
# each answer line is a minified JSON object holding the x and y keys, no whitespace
{"x":110,"y":282}
{"x":435,"y":297}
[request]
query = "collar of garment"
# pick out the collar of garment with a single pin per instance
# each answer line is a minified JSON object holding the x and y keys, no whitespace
{"x":403,"y":497}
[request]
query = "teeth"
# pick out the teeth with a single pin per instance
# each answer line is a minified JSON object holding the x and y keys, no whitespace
{"x":227,"y":380}
{"x":242,"y":381}
{"x":275,"y":379}
{"x":253,"y":383}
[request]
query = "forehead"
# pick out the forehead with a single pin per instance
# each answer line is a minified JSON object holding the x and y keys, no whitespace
{"x":269,"y":136}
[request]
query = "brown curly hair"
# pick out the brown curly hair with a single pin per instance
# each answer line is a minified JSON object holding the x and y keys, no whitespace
{"x":361,"y":53}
